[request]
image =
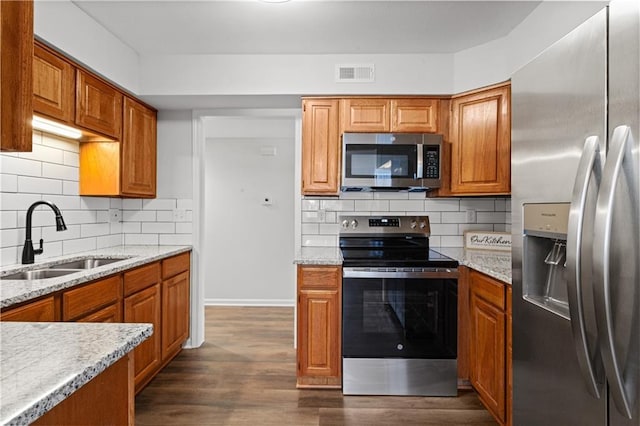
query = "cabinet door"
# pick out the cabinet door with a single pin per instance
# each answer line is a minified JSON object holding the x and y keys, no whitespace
{"x":481,"y":142}
{"x":16,"y":75}
{"x":414,"y":115}
{"x":319,"y":326}
{"x":53,"y":85}
{"x":488,"y":354}
{"x":138,"y":151}
{"x":319,"y":333}
{"x":98,"y":105}
{"x":320,"y":147}
{"x":144,"y":306}
{"x":365,"y":115}
{"x":111,"y":313}
{"x":42,"y":310}
{"x":175,"y":314}
{"x":81,"y":301}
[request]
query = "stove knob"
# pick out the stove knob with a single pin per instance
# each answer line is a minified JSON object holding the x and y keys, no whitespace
{"x":354,"y":224}
{"x":345,"y":224}
{"x":413,"y":224}
{"x":422,"y":225}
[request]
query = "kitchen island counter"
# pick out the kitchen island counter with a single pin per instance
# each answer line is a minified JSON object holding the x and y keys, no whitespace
{"x":496,"y":264}
{"x":42,"y":364}
{"x":13,"y":292}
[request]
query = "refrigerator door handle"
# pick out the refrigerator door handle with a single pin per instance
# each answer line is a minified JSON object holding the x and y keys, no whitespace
{"x":621,"y":147}
{"x":589,"y":165}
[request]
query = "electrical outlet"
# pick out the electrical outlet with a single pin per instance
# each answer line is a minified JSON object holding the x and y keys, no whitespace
{"x":179,"y":215}
{"x":114,"y":215}
{"x":471,"y":216}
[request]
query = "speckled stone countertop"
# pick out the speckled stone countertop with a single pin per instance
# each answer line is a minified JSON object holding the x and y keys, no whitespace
{"x":318,"y":256}
{"x":496,"y":264}
{"x":43,"y":363}
{"x":16,"y":291}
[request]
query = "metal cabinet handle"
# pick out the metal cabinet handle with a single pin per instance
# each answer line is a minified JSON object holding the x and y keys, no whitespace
{"x":621,"y":144}
{"x":589,"y":165}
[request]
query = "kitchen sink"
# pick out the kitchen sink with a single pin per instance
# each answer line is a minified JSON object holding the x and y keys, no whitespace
{"x":39,"y":274}
{"x":87,"y":263}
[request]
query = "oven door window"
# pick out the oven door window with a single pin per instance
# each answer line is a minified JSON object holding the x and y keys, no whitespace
{"x":381,"y":162}
{"x":399,"y":318}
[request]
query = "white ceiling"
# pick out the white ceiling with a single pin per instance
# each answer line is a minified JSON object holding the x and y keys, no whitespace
{"x":305,"y":26}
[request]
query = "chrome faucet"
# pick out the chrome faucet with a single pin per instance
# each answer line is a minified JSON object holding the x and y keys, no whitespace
{"x":28,"y":252}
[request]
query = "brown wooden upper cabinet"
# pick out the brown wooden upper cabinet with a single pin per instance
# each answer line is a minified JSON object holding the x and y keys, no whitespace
{"x":138,"y":146}
{"x":54,"y":82}
{"x":98,"y":105}
{"x":419,"y":115}
{"x":16,"y":76}
{"x":320,"y":147}
{"x":481,"y":142}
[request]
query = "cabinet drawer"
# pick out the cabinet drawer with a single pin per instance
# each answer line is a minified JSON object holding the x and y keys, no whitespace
{"x":141,"y":278}
{"x":42,"y":310}
{"x":86,"y":299}
{"x":112,"y":313}
{"x":176,"y":264}
{"x":319,"y":277}
{"x":488,"y":289}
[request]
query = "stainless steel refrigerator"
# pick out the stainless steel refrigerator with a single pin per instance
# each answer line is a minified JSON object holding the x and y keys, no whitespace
{"x":576,"y":232}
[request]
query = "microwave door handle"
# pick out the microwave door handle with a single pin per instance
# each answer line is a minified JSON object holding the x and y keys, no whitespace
{"x":619,"y":149}
{"x":589,"y":165}
{"x":419,"y":161}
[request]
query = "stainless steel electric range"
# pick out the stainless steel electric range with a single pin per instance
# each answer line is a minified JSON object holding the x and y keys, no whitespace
{"x":399,"y":309}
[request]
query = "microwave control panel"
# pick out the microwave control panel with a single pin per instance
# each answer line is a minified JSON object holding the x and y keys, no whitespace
{"x":432,"y":162}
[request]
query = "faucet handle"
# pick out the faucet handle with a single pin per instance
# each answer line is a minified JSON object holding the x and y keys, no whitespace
{"x":39,"y":250}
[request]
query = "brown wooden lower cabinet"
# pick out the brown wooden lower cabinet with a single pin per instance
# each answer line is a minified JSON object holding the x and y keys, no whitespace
{"x":144,"y":307}
{"x":490,"y":343}
{"x":319,"y":327}
{"x":108,"y":399}
{"x":175,"y":314}
{"x":46,"y":310}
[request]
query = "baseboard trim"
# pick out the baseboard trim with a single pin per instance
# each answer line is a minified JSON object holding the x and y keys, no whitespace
{"x":250,"y":302}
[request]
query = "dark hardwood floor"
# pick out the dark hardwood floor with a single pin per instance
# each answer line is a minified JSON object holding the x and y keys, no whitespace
{"x":245,"y":374}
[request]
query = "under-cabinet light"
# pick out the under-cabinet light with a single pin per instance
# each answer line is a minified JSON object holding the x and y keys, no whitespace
{"x":49,"y":126}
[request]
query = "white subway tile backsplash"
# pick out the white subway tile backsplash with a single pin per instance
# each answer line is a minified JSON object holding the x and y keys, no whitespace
{"x":94,"y":229}
{"x":501,"y":205}
{"x":310,"y":228}
{"x":159,"y":204}
{"x":442,"y":205}
{"x":434,"y":217}
{"x":8,"y":183}
{"x":141,"y":239}
{"x":338,"y":205}
{"x":464,"y":227}
{"x":94,"y":203}
{"x":477,"y":204}
{"x":176,"y":239}
{"x":139,"y":216}
{"x":356,"y":195}
{"x":51,"y":173}
{"x":454,"y":217}
{"x":19,"y":166}
{"x":37,"y":185}
{"x":491,"y":217}
{"x":451,"y":241}
{"x":444,"y":229}
{"x":372,"y":205}
{"x":158,"y":228}
{"x":308,"y":217}
{"x":329,"y":228}
{"x":57,"y":171}
{"x":390,"y":195}
{"x":330,"y":217}
{"x":310,"y":204}
{"x":407,"y":205}
{"x":131,"y":204}
{"x":417,"y":195}
{"x":44,"y":153}
{"x":78,"y":245}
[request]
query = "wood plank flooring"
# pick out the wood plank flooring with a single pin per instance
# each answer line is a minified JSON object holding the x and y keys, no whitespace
{"x":244,"y":374}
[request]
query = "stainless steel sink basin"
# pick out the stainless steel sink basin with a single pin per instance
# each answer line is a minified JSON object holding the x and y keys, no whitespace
{"x":39,"y":274}
{"x":88,"y":263}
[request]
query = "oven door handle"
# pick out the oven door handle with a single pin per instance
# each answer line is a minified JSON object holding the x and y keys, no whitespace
{"x":399,"y":273}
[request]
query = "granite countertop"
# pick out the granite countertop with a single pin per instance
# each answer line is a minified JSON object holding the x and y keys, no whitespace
{"x":496,"y":264}
{"x":318,"y":256}
{"x":43,"y":363}
{"x":16,"y":291}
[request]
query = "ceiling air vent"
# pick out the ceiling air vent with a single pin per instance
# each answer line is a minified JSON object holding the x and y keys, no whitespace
{"x":362,"y":73}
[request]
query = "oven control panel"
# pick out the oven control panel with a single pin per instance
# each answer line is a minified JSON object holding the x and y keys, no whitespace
{"x":385,"y":225}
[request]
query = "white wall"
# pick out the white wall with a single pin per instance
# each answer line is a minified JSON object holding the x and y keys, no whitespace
{"x":249,"y":246}
{"x":291,"y":74}
{"x":175,"y":155}
{"x":64,"y":25}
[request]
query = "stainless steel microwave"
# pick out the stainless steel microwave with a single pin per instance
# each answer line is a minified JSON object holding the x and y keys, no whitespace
{"x":388,"y":161}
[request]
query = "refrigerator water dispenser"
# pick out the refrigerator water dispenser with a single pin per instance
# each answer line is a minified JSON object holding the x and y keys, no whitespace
{"x":544,"y":260}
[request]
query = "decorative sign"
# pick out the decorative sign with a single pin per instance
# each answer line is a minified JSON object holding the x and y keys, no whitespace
{"x":483,"y":240}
